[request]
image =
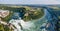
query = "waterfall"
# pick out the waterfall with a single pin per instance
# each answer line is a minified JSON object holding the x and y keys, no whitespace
{"x":19,"y":24}
{"x":36,"y":25}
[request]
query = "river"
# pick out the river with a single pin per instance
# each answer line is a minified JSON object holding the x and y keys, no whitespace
{"x":44,"y":23}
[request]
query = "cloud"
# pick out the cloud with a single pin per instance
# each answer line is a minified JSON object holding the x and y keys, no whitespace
{"x":29,"y":2}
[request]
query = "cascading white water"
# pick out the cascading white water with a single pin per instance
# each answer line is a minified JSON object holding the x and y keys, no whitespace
{"x":35,"y":25}
{"x":21,"y":25}
{"x":18,"y":23}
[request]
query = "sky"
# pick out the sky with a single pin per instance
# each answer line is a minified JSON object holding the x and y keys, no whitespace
{"x":29,"y":2}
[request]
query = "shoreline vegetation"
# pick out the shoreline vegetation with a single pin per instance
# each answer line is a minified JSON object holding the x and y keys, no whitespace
{"x":30,"y":13}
